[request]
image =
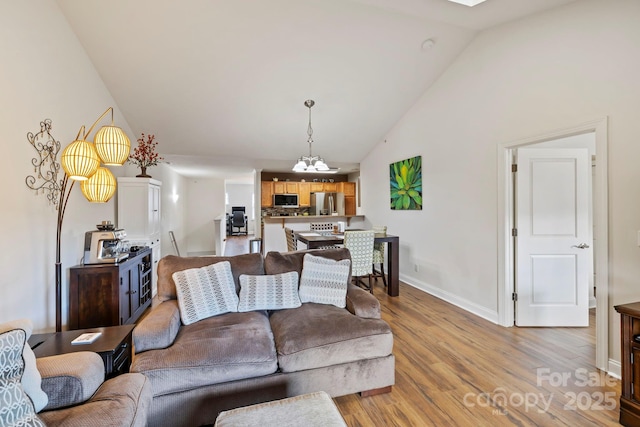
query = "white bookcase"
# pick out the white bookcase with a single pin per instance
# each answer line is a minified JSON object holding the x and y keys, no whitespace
{"x":139,"y":215}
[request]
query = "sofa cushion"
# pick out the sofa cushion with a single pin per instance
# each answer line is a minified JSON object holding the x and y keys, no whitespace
{"x":206,"y":291}
{"x":70,"y":378}
{"x":123,"y":401}
{"x":16,"y":408}
{"x":158,"y":328}
{"x":318,"y":335}
{"x":240,"y":264}
{"x":269,"y":292}
{"x":223,"y":348}
{"x":281,"y":262}
{"x":324,"y":280}
{"x":31,"y":379}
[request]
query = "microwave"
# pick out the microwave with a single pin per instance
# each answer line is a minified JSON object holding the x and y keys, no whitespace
{"x":285,"y":200}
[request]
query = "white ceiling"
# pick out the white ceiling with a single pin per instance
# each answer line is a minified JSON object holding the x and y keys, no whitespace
{"x":221,"y":83}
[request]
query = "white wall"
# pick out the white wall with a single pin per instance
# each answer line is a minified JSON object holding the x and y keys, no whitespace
{"x":45,"y":73}
{"x":205,"y":201}
{"x":546,"y":72}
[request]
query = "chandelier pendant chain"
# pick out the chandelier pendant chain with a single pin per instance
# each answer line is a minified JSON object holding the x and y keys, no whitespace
{"x":309,"y":103}
{"x":311,"y":163}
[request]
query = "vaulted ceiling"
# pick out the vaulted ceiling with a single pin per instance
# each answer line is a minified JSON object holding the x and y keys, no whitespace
{"x":222,"y":83}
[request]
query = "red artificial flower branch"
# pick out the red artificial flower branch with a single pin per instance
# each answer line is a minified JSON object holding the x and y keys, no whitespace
{"x":145,"y":155}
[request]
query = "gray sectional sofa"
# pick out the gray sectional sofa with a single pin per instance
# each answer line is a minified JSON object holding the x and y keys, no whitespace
{"x":238,"y":359}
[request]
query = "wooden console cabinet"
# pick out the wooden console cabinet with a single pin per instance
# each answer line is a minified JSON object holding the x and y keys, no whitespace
{"x":630,"y":396}
{"x":110,"y":295}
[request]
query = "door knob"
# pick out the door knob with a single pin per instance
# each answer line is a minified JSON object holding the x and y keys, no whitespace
{"x":581,"y":246}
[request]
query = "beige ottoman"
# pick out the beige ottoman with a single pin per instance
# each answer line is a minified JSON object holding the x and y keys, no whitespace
{"x":309,"y":410}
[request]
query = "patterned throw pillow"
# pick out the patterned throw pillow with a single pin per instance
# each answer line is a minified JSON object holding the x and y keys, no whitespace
{"x":31,"y":378}
{"x":324,"y":280}
{"x":205,"y":292}
{"x":269,"y":292}
{"x":16,"y":409}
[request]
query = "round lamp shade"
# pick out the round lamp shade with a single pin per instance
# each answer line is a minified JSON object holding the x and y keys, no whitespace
{"x":112,"y":145}
{"x":80,"y":160}
{"x":100,"y":187}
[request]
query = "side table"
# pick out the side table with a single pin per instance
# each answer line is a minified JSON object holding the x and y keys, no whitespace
{"x":114,"y":346}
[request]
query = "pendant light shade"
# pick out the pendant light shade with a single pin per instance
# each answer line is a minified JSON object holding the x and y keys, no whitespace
{"x":100,"y":187}
{"x":112,"y":145}
{"x":80,"y":160}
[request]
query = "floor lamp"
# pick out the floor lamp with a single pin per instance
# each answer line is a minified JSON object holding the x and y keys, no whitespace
{"x":80,"y":161}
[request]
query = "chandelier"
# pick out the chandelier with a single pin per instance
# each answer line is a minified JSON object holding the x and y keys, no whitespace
{"x":311,"y":163}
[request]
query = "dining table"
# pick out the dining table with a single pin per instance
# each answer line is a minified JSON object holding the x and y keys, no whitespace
{"x":315,"y":239}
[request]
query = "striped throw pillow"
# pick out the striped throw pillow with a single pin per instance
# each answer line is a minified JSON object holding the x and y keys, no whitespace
{"x":324,"y":280}
{"x":269,"y":292}
{"x":205,"y":292}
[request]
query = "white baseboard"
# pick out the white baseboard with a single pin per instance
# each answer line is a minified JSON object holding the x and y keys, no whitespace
{"x":470,"y":306}
{"x":614,"y":369}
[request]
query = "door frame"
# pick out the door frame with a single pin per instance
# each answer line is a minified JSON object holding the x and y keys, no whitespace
{"x":601,"y":236}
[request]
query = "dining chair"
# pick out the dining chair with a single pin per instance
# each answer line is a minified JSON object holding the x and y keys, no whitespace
{"x":378,"y":255}
{"x":360,"y":245}
{"x":292,"y":244}
{"x":323,"y":228}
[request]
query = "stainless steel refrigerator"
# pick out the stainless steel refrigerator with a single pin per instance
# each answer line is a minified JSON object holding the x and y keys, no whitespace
{"x":327,"y":204}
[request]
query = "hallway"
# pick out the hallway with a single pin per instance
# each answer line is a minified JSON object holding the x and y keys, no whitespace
{"x":237,"y":245}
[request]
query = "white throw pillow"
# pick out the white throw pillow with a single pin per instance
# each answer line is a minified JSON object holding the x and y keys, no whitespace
{"x":31,"y":379}
{"x":269,"y":292}
{"x":205,"y":292}
{"x":324,"y":280}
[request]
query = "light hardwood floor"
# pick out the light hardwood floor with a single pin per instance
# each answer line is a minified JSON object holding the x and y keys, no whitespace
{"x":456,"y":369}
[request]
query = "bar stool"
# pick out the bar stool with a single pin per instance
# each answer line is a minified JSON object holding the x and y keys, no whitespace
{"x":292,"y":244}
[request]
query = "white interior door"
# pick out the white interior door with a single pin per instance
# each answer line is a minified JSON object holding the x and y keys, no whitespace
{"x":554,"y":260}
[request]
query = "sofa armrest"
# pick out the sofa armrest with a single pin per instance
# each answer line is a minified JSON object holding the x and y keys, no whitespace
{"x":159,"y":328}
{"x":71,"y":378}
{"x":123,"y":401}
{"x":362,"y":303}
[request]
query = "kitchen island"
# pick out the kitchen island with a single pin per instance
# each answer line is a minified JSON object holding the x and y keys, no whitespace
{"x":273,"y":237}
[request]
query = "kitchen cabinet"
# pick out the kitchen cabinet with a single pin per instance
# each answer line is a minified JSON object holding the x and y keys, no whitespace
{"x":110,"y":294}
{"x":139,"y":214}
{"x":291,"y":187}
{"x":266,"y":194}
{"x":348,"y":188}
{"x":330,"y":187}
{"x":285,"y":187}
{"x":349,"y":205}
{"x":317,"y":187}
{"x":279,"y":187}
{"x":304,"y":191}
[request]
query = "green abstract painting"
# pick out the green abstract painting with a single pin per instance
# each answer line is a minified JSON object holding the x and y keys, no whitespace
{"x":405,"y":178}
